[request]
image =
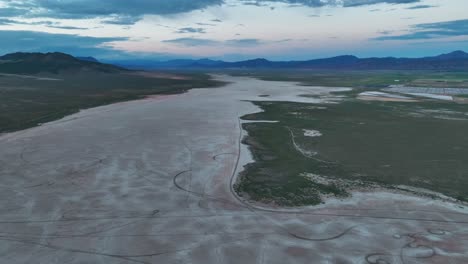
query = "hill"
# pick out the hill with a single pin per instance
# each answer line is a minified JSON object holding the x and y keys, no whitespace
{"x":56,"y":62}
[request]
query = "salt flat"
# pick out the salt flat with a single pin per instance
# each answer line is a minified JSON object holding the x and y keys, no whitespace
{"x":426,"y":90}
{"x":150,"y":181}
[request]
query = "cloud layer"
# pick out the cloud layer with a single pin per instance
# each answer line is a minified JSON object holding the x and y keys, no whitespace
{"x":30,"y":41}
{"x":128,"y":12}
{"x":214,"y":28}
{"x":319,"y":3}
{"x":454,"y":28}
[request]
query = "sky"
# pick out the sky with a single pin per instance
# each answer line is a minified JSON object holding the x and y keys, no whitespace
{"x":234,"y":29}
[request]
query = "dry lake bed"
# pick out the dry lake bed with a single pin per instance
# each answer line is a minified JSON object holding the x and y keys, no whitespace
{"x":151,"y":181}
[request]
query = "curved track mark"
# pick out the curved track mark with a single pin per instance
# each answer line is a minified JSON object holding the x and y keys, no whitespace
{"x":222,"y":154}
{"x":323,"y":239}
{"x":378,"y":260}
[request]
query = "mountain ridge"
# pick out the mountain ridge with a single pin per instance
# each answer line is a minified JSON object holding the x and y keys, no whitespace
{"x":456,"y":60}
{"x":51,"y":62}
{"x":56,"y":62}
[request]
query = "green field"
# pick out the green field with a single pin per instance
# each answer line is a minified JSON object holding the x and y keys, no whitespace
{"x":362,"y":79}
{"x":364,"y":144}
{"x":27,"y":102}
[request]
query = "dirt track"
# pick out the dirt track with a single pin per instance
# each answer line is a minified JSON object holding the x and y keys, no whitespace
{"x":150,"y":181}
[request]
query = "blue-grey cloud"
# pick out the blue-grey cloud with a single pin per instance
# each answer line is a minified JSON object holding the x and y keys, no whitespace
{"x":352,"y":3}
{"x":126,"y":12}
{"x":385,"y":32}
{"x":12,"y":11}
{"x":6,"y":21}
{"x":122,"y":20}
{"x":320,"y":3}
{"x":50,"y":24}
{"x":191,"y":30}
{"x":75,"y":9}
{"x":421,"y":7}
{"x":433,"y":30}
{"x":124,"y":7}
{"x":246,"y":42}
{"x":243,"y":42}
{"x":68,"y":27}
{"x":259,"y":2}
{"x":206,"y":24}
{"x":31,"y":41}
{"x":192,"y":41}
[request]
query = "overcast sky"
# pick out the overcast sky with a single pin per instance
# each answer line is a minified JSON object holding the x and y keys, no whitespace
{"x":234,"y":29}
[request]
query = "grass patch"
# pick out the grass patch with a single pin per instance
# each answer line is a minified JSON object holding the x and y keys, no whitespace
{"x":361,"y":79}
{"x":416,"y":144}
{"x":27,"y":102}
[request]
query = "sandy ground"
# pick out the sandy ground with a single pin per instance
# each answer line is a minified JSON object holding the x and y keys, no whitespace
{"x":150,"y":181}
{"x":433,"y":96}
{"x":426,"y":90}
{"x":385,"y":97}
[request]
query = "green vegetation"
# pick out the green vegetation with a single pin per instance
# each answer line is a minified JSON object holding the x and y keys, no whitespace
{"x":386,"y":143}
{"x":362,"y":79}
{"x":28,"y":101}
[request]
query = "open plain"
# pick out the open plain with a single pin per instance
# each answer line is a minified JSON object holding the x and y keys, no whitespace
{"x":151,"y":181}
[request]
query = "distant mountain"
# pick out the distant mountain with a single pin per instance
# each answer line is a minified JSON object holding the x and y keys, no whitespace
{"x":92,"y":59}
{"x":456,"y":55}
{"x":32,"y":63}
{"x":171,"y":64}
{"x":457,"y":60}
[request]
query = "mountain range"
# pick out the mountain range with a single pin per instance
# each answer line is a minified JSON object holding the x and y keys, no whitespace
{"x":457,"y":60}
{"x":56,"y":62}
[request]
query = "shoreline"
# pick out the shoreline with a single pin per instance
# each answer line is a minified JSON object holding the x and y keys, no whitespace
{"x":157,"y":174}
{"x":246,"y":156}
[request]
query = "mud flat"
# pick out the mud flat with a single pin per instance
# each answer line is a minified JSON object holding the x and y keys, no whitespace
{"x":150,"y":181}
{"x":386,"y":97}
{"x":427,"y":90}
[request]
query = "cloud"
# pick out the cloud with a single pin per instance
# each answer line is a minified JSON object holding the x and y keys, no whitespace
{"x":50,"y":24}
{"x":385,"y":32}
{"x":192,"y":41}
{"x":68,"y":27}
{"x":320,"y":3}
{"x":421,"y":7}
{"x":191,"y":30}
{"x":126,"y":12}
{"x":243,"y":42}
{"x":122,"y":20}
{"x":246,"y":42}
{"x":433,"y":30}
{"x":76,"y":9}
{"x":352,"y":3}
{"x":12,"y":12}
{"x":6,"y":21}
{"x":206,"y":24}
{"x":32,"y":41}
